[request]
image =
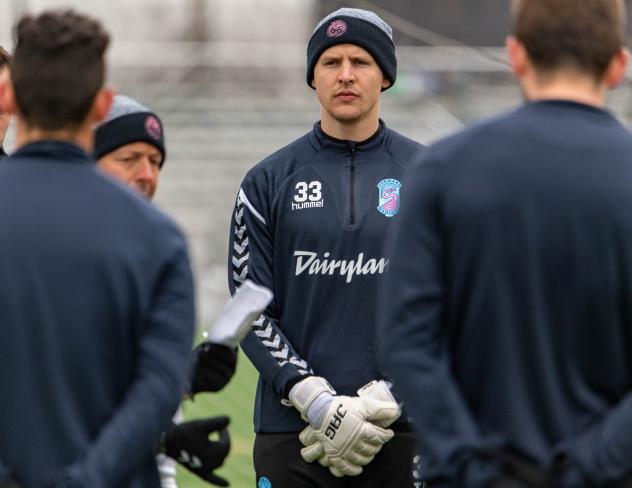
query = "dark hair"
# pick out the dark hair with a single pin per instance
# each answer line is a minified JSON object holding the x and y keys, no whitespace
{"x":580,"y":34}
{"x":58,"y":67}
{"x":5,"y":58}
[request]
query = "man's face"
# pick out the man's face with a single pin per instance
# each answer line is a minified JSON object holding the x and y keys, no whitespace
{"x":136,"y":164}
{"x":348,"y":83}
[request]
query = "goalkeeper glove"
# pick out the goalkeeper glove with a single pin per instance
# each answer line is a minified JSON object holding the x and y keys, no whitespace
{"x":343,"y":425}
{"x":213,"y":367}
{"x":189,"y":444}
{"x":313,"y":450}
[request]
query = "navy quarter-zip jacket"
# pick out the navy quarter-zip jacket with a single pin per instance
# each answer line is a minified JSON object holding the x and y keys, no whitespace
{"x":507,"y":311}
{"x":307,"y":225}
{"x":96,"y":323}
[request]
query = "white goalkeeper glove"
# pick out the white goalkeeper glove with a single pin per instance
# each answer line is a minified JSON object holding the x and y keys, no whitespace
{"x":313,"y":450}
{"x":345,"y":427}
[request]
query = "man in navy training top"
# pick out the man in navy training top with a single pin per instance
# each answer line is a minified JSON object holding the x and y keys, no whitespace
{"x":130,"y":146}
{"x":507,"y":319}
{"x":309,"y":224}
{"x":96,"y":291}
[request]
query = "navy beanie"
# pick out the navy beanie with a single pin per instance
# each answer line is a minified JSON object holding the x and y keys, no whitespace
{"x":128,"y":121}
{"x":354,"y":26}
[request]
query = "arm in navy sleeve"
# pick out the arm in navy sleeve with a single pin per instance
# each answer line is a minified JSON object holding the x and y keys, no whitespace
{"x":415,"y":352}
{"x":411,"y":331}
{"x":602,"y":452}
{"x":131,"y":435}
{"x":251,"y":255}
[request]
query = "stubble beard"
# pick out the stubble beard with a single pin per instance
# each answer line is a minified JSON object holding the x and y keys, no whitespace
{"x":349,"y":117}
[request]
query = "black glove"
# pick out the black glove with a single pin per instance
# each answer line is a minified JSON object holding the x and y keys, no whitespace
{"x":189,"y":444}
{"x":213,"y":367}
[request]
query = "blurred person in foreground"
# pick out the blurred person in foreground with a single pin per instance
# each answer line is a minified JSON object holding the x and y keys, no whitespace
{"x":5,"y":118}
{"x":130,"y":146}
{"x":96,"y":291}
{"x":506,"y":314}
{"x":309,"y":224}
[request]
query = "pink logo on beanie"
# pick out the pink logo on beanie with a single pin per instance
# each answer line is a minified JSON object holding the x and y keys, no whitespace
{"x":152,"y":126}
{"x":337,"y":28}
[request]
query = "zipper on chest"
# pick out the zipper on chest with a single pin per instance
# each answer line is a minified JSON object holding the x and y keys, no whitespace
{"x":352,"y":175}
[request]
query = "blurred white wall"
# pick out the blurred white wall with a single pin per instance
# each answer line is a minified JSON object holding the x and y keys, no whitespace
{"x":191,"y":20}
{"x":261,"y":20}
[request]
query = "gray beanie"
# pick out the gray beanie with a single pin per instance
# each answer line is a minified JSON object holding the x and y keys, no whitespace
{"x":128,"y":121}
{"x":354,"y":26}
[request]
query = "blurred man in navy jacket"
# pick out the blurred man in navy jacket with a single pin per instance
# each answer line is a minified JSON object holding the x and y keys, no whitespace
{"x":129,"y":145}
{"x":96,"y":293}
{"x":507,"y":320}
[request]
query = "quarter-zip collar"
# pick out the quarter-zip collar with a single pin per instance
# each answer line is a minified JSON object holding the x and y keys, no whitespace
{"x":349,"y":153}
{"x":321,"y":140}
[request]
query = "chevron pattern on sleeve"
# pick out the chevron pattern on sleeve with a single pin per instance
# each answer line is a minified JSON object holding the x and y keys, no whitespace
{"x":240,"y":244}
{"x":279,"y":350}
{"x":262,"y":326}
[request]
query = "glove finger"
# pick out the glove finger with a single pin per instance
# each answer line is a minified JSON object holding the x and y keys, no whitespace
{"x":367,"y":448}
{"x":313,"y":452}
{"x":324,"y":461}
{"x":335,"y":471}
{"x":224,"y":441}
{"x":216,"y":480}
{"x":345,"y":467}
{"x":376,"y":435}
{"x":377,"y":389}
{"x":213,"y":424}
{"x":358,"y":459}
{"x":307,"y":436}
{"x":381,"y":411}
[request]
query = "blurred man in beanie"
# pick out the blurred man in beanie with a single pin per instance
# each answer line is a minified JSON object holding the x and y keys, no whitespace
{"x":130,"y":146}
{"x":507,"y":319}
{"x":96,"y":291}
{"x":309,"y":223}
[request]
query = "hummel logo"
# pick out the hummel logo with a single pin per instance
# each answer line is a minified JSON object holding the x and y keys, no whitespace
{"x":301,"y":206}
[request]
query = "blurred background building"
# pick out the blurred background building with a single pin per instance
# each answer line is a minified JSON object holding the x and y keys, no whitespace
{"x":228,"y":79}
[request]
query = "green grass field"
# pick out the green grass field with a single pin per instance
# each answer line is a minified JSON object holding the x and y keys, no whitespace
{"x":236,"y":401}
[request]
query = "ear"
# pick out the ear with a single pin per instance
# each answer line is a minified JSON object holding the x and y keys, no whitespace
{"x":101,"y":105}
{"x":385,"y":83}
{"x":7,"y":96}
{"x":517,"y":55}
{"x":616,"y":70}
{"x":313,"y":83}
